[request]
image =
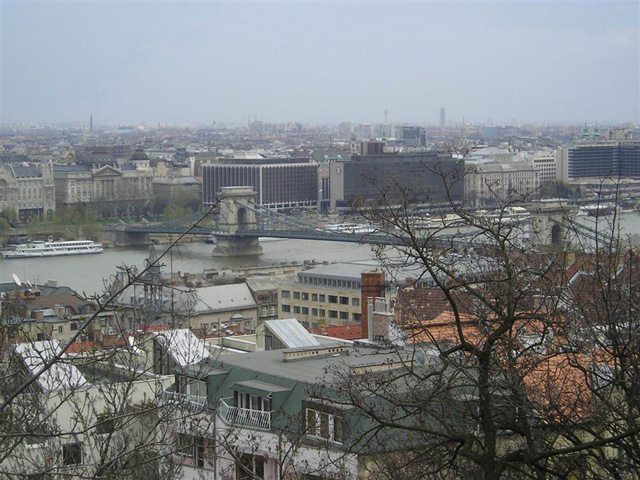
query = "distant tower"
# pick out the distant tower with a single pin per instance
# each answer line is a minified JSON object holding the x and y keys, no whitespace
{"x":91,"y":123}
{"x":442,"y":120}
{"x":585,"y":132}
{"x":386,"y":115}
{"x":596,"y":132}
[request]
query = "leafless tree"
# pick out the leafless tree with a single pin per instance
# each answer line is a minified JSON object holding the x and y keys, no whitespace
{"x":526,"y":371}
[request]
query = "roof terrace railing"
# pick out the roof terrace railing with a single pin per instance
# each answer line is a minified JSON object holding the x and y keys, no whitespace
{"x":244,"y":417}
{"x":193,"y":402}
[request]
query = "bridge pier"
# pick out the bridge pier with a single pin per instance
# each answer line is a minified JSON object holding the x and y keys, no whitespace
{"x":119,"y":237}
{"x":237,"y":247}
{"x":237,"y":215}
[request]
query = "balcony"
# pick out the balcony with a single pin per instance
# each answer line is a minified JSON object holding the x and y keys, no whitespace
{"x":191,"y":402}
{"x":244,"y":417}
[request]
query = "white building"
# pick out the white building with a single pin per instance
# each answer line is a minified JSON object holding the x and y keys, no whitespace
{"x":28,"y":189}
{"x":491,"y":184}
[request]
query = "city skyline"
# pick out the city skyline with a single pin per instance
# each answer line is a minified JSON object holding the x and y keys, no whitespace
{"x":320,"y":63}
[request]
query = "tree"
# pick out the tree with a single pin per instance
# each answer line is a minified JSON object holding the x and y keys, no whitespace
{"x":101,"y":413}
{"x":498,"y":382}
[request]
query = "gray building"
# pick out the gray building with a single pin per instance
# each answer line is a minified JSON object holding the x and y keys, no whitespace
{"x":418,"y":178}
{"x":604,"y":159}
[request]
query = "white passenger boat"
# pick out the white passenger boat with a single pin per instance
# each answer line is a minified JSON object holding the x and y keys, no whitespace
{"x":53,"y":249}
{"x":350,"y":228}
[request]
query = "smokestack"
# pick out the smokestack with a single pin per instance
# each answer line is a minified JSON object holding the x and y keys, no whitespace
{"x":370,"y":319}
{"x":373,"y":286}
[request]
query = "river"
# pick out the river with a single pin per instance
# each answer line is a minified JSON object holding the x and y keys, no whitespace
{"x":86,"y":273}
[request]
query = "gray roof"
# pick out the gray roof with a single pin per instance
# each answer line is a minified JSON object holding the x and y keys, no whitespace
{"x":505,"y":167}
{"x":343,"y":271}
{"x":352,"y":271}
{"x":312,"y":370}
{"x":176,"y":180}
{"x":224,"y":297}
{"x":263,"y":386}
{"x":291,"y":333}
{"x":71,"y":168}
{"x":268,"y":282}
{"x":26,"y":171}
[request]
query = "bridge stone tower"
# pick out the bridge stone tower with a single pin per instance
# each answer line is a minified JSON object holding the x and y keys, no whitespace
{"x":237,"y":215}
{"x":548,"y":224}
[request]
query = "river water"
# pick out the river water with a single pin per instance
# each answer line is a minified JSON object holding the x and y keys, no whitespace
{"x":86,"y":273}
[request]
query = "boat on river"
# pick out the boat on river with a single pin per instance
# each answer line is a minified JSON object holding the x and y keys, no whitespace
{"x":40,"y":249}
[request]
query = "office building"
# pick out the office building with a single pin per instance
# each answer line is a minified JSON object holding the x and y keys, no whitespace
{"x":279,"y":183}
{"x":610,"y":158}
{"x":399,"y":177}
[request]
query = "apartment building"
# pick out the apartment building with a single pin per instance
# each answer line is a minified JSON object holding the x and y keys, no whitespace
{"x":324,"y":295}
{"x":268,"y":402}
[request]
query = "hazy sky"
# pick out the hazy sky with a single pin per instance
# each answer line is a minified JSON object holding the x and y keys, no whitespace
{"x":319,"y":62}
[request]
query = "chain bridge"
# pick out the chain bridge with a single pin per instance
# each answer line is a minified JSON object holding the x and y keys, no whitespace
{"x":240,"y":222}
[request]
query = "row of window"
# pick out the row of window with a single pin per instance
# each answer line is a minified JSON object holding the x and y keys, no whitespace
{"x":330,"y":282}
{"x":320,"y":312}
{"x":321,"y":298}
{"x":324,"y":425}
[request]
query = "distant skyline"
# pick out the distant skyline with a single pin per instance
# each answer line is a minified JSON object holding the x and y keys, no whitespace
{"x":188,"y":62}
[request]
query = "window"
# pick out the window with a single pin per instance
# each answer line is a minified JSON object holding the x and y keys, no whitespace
{"x":74,"y":326}
{"x":272,"y":310}
{"x":286,"y":294}
{"x":264,"y":311}
{"x":249,"y":467}
{"x":251,"y":402}
{"x":314,"y":312}
{"x":355,"y":302}
{"x":314,"y":297}
{"x":185,"y":445}
{"x":328,"y":426}
{"x":60,"y":329}
{"x":305,"y":310}
{"x":105,"y":424}
{"x":322,"y":297}
{"x":323,"y":313}
{"x":344,"y":315}
{"x":286,"y":308}
{"x":344,"y":300}
{"x":333,"y":299}
{"x":333,"y":314}
{"x":357,"y":317}
{"x":305,"y":296}
{"x":296,"y":309}
{"x":296,"y":295}
{"x":72,"y":454}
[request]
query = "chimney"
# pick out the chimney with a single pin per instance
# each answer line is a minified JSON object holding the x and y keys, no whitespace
{"x":373,"y":286}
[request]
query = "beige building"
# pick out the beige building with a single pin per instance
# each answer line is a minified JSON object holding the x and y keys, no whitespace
{"x":107,"y":188}
{"x":325,"y":295}
{"x":490,"y":184}
{"x":28,"y":189}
